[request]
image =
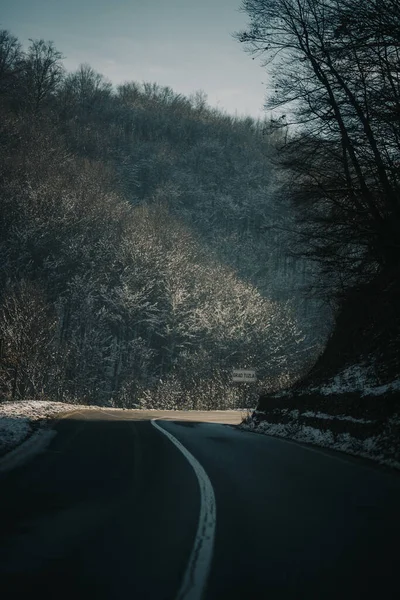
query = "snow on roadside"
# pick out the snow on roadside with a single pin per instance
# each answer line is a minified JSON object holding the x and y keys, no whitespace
{"x":375,"y":447}
{"x":18,"y":420}
{"x":320,"y":415}
{"x":295,"y":414}
{"x":356,"y":378}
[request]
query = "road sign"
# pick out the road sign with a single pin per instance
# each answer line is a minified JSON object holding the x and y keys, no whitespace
{"x":244,"y":375}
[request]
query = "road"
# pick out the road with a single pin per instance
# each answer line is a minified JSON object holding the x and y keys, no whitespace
{"x":116,"y":508}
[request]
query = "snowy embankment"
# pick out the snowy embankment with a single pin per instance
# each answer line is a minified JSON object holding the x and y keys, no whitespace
{"x":311,"y":415}
{"x":357,"y":378}
{"x":21,"y":420}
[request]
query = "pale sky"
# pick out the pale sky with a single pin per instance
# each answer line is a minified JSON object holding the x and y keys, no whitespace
{"x":185,"y":44}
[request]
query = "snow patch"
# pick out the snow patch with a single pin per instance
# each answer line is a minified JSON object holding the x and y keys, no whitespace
{"x":13,"y":431}
{"x":19,"y":419}
{"x":26,"y":451}
{"x":320,"y":415}
{"x":295,"y":414}
{"x":356,"y":378}
{"x":352,"y":379}
{"x":379,"y":390}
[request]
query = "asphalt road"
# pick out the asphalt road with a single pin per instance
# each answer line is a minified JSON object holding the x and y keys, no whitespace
{"x":115,"y":508}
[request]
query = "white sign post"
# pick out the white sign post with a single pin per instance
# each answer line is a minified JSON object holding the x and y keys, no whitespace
{"x":244,"y":375}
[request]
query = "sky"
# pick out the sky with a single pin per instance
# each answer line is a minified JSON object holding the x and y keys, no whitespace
{"x":184,"y":44}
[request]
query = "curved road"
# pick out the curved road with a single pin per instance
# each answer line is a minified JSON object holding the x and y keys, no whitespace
{"x":119,"y":507}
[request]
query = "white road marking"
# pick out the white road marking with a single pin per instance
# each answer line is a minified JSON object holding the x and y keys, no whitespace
{"x":198,"y":567}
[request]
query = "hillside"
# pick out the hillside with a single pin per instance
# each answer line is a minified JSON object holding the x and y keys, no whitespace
{"x":141,"y":248}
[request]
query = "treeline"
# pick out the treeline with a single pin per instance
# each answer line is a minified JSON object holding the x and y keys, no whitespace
{"x":132,"y":241}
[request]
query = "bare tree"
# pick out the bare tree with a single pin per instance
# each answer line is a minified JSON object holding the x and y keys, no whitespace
{"x":85,"y":91}
{"x":327,"y":67}
{"x":42,"y":73}
{"x":10,"y":60}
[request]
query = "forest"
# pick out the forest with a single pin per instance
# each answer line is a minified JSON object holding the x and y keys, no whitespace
{"x":146,"y":244}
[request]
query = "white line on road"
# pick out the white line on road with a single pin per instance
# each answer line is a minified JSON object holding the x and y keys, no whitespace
{"x":198,"y":567}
